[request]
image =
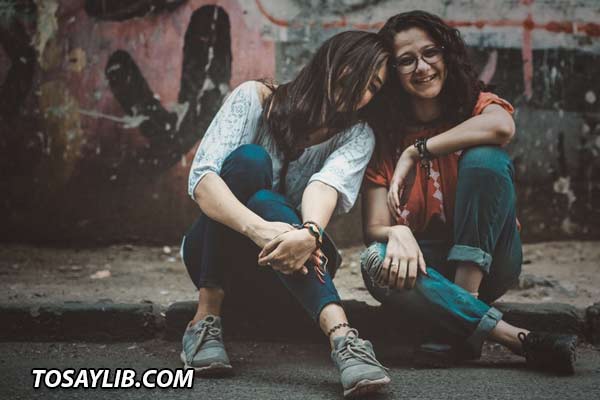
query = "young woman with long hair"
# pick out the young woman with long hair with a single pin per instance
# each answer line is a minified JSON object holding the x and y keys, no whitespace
{"x":274,"y":165}
{"x":439,"y":200}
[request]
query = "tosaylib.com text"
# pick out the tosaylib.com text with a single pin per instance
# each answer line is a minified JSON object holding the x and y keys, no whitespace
{"x":105,"y":378}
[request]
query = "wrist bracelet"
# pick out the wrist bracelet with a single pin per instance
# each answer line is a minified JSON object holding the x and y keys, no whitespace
{"x":424,"y":155}
{"x":315,"y":230}
{"x":421,"y":146}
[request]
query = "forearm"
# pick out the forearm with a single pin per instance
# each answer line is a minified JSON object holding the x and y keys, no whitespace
{"x":483,"y":129}
{"x":318,"y":203}
{"x":218,"y":202}
{"x":377,"y":233}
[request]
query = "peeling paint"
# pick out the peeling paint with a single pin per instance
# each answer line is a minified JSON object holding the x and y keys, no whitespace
{"x":488,"y":71}
{"x":128,"y":121}
{"x":47,"y":25}
{"x":77,"y":60}
{"x":7,"y":11}
{"x":180,"y":110}
{"x":563,"y":186}
{"x":63,"y":134}
{"x":568,"y":226}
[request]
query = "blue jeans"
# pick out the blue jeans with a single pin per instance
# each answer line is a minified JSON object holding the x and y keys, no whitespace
{"x":219,"y":257}
{"x":484,"y":232}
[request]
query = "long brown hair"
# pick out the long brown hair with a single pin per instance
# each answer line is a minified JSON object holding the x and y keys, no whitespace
{"x":326,"y":92}
{"x":462,"y":86}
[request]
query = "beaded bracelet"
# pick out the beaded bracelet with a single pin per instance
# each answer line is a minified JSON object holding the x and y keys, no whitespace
{"x":424,"y":155}
{"x":338,"y":326}
{"x":315,"y":230}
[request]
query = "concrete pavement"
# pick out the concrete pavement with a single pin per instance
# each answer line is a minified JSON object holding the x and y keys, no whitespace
{"x":273,"y":370}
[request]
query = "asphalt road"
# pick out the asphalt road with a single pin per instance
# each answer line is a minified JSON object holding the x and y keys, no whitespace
{"x":291,"y":371}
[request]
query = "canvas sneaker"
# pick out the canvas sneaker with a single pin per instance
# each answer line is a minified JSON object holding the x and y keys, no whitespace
{"x":360,"y":371}
{"x":203,"y":348}
{"x":549,"y":351}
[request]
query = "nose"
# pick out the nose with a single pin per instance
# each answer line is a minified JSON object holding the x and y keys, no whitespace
{"x":422,"y":65}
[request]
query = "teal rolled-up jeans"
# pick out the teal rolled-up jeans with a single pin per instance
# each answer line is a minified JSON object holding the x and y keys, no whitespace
{"x":485,"y":233}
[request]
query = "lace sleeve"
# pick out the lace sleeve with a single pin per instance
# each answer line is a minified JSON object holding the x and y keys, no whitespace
{"x":228,"y":130}
{"x":344,"y":168}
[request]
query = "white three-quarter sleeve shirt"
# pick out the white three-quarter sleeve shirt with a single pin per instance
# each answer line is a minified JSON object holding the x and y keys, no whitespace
{"x":339,"y":162}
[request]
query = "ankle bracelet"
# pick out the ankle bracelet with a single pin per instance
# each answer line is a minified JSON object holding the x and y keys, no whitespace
{"x":338,"y":326}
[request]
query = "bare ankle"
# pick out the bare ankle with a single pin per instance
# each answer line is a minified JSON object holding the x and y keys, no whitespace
{"x":199,"y":317}
{"x":508,"y":335}
{"x":209,"y":303}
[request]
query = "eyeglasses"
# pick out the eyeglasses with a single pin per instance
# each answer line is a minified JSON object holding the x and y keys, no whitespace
{"x":408,"y":63}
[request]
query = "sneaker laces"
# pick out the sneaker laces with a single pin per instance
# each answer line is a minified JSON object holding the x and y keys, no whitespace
{"x":355,"y":347}
{"x":372,"y":264}
{"x":208,"y":331}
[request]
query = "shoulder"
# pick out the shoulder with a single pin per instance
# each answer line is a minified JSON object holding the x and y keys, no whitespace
{"x":254,"y":89}
{"x":245,"y":89}
{"x":487,"y":98}
{"x":359,"y":138}
{"x":263,"y":91}
{"x":243,"y":99}
{"x":360,"y":130}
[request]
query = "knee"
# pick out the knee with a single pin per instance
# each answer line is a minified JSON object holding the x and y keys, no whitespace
{"x":490,"y":160}
{"x":373,"y":254}
{"x":262,"y":198}
{"x":371,"y":258}
{"x":250,"y":160}
{"x":272,"y":206}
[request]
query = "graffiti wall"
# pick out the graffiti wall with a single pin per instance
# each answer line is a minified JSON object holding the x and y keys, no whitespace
{"x":102,"y":103}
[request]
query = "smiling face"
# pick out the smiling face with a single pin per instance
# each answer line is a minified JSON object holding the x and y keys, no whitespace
{"x":427,"y":79}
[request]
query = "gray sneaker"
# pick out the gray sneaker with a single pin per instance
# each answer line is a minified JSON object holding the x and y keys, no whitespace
{"x":360,"y":371}
{"x":203,"y":348}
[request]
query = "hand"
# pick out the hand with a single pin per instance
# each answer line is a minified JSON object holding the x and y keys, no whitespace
{"x":403,"y":258}
{"x":407,"y":161}
{"x":269,"y":231}
{"x":288,"y":252}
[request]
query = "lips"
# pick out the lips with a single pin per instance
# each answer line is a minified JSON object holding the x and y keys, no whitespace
{"x":426,"y":79}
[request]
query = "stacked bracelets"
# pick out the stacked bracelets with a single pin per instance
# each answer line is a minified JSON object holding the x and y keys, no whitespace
{"x":424,"y":155}
{"x":315,"y":230}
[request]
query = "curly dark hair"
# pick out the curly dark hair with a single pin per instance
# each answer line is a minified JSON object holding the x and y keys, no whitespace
{"x":325,"y":94}
{"x":462,"y":86}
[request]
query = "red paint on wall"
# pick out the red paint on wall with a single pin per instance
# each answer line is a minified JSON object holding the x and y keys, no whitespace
{"x":527,"y":55}
{"x":589,"y":28}
{"x":156,"y":43}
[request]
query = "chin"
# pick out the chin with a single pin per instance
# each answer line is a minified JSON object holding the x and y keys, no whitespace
{"x":430,"y":93}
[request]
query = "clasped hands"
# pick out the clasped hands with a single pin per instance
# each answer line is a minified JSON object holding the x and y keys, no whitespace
{"x":287,"y":249}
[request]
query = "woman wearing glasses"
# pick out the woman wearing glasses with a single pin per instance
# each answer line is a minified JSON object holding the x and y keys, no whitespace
{"x":439,"y":201}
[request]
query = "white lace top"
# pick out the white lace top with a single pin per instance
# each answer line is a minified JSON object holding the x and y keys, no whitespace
{"x":339,"y":162}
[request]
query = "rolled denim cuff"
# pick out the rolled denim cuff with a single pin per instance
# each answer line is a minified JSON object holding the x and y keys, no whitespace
{"x":460,"y":252}
{"x":488,"y":322}
{"x":325,"y":301}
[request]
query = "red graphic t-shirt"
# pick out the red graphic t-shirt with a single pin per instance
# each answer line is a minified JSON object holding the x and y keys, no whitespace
{"x":433,"y":197}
